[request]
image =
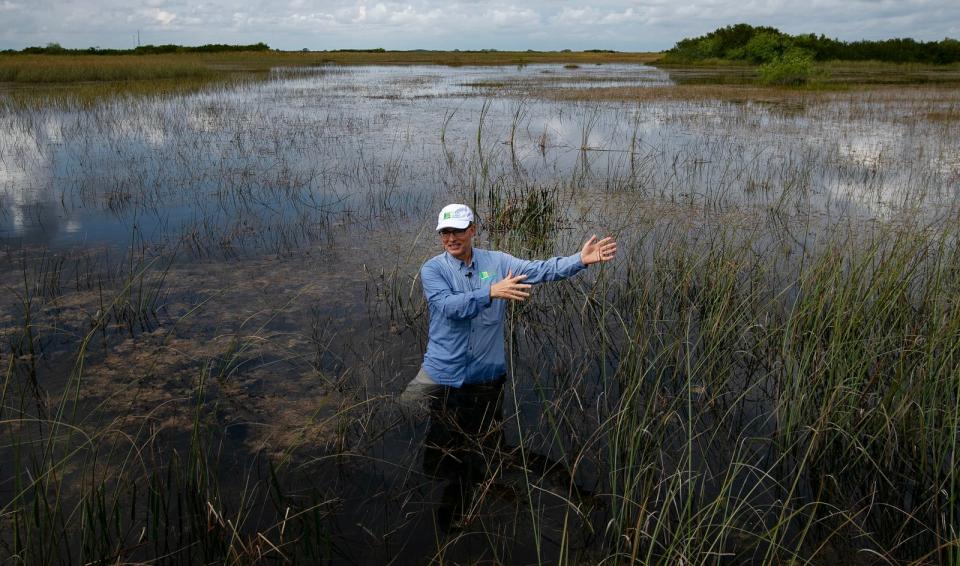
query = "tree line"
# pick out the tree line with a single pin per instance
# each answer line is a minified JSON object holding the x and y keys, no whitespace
{"x":763,"y":44}
{"x":56,"y":49}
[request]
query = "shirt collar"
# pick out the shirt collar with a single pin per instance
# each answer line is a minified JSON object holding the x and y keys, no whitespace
{"x":459,"y":264}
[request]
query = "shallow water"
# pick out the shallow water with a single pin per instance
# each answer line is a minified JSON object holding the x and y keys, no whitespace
{"x":309,"y":146}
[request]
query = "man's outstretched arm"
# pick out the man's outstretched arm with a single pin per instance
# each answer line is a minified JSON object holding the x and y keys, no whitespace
{"x":593,"y":251}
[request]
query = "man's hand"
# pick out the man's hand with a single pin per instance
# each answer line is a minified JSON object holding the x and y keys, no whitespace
{"x":596,"y":251}
{"x":510,"y":288}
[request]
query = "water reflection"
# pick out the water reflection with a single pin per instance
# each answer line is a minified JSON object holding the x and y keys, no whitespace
{"x":466,"y":448}
{"x":464,"y":445}
{"x":288,"y":156}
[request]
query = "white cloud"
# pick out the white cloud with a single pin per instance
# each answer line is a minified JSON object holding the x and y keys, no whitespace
{"x":465,"y":24}
{"x":577,"y":16}
{"x":514,"y":16}
{"x":163,"y":17}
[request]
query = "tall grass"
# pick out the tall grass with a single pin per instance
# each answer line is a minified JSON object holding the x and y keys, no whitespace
{"x":46,"y":69}
{"x":828,"y":406}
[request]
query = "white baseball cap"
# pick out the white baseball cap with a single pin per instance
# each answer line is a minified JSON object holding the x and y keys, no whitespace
{"x":457,"y":216}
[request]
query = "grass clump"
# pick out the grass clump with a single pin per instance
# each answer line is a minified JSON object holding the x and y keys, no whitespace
{"x":39,"y":80}
{"x":525,"y":219}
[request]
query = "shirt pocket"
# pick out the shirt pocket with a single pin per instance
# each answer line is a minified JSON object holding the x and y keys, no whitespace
{"x":490,"y":315}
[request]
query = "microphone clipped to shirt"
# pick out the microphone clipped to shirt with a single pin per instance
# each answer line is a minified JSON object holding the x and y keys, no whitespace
{"x":469,"y":274}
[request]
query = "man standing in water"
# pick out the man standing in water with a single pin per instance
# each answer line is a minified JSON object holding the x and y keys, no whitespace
{"x":464,"y":367}
{"x":467,"y":290}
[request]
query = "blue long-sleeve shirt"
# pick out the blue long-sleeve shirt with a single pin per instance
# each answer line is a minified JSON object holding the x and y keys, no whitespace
{"x":466,"y":326}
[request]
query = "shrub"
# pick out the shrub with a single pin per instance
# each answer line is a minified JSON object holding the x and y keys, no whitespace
{"x":762,"y":44}
{"x":794,"y":67}
{"x":765,"y":47}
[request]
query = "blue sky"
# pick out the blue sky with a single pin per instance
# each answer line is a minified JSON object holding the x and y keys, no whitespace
{"x":623,"y":25}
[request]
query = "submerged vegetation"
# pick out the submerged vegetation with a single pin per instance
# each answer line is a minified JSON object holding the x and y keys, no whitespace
{"x":767,"y":374}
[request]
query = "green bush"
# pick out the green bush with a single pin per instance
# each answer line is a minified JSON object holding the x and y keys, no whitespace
{"x":765,"y":47}
{"x":743,"y":42}
{"x":794,"y":67}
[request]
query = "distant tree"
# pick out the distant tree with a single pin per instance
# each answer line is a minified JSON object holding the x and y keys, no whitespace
{"x":743,"y":42}
{"x":765,"y":47}
{"x":947,"y":51}
{"x":57,"y":49}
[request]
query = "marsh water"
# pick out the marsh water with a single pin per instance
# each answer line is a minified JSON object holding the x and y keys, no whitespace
{"x":252,"y":255}
{"x":338,"y":141}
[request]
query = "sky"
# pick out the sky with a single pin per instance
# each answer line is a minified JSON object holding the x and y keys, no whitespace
{"x":622,"y":25}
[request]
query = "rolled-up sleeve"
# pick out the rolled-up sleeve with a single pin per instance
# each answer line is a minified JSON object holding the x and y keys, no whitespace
{"x":451,"y":304}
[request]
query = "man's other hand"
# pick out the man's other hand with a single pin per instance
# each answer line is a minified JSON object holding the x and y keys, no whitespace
{"x":510,"y":288}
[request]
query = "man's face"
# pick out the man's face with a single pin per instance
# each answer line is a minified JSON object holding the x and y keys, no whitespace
{"x":458,"y":243}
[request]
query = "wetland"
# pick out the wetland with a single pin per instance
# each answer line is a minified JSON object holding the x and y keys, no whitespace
{"x":211,"y":301}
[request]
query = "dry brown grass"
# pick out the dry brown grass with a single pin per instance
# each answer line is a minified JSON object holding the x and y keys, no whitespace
{"x":82,"y":68}
{"x":830,"y":74}
{"x":876,"y":72}
{"x":751,"y":93}
{"x":51,"y":79}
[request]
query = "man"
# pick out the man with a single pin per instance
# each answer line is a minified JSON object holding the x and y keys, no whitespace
{"x":464,"y":367}
{"x":467,"y":290}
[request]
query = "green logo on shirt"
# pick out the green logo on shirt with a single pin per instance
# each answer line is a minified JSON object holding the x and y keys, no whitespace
{"x":484,"y":275}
